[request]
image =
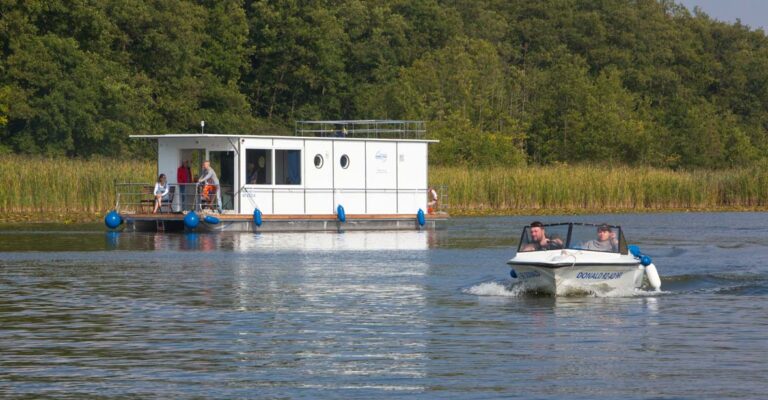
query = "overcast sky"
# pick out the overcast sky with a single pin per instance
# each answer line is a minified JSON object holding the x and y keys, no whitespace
{"x":751,"y":12}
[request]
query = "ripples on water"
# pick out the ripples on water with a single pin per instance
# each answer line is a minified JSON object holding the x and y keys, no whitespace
{"x":377,"y":315}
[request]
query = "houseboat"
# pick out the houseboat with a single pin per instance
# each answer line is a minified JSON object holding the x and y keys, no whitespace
{"x":328,"y":176}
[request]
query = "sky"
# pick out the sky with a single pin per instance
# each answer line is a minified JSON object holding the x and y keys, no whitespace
{"x":751,"y":12}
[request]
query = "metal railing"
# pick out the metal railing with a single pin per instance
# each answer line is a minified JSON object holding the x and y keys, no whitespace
{"x":378,"y":129}
{"x":139,"y":197}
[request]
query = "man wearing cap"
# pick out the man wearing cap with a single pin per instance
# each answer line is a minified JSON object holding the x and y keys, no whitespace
{"x":606,"y":240}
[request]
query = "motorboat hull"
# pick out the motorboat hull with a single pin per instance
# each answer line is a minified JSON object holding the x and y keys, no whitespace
{"x":562,"y":279}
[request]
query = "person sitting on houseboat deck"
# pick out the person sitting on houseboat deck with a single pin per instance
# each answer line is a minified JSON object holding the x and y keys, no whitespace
{"x":539,"y":240}
{"x":160,"y":192}
{"x":606,"y":240}
{"x":211,"y":182}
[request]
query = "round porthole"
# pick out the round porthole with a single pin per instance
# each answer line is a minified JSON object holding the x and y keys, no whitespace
{"x":318,"y":161}
{"x":344,"y":161}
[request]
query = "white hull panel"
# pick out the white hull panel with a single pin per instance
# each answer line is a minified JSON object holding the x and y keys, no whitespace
{"x":563,"y":281}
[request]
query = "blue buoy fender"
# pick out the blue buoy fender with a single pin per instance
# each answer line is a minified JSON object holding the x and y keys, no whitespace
{"x":257,"y":217}
{"x":191,"y":220}
{"x":635,"y":250}
{"x":513,"y":274}
{"x":211,"y":220}
{"x":112,"y":220}
{"x":420,"y":217}
{"x":340,"y":213}
{"x":645,"y":260}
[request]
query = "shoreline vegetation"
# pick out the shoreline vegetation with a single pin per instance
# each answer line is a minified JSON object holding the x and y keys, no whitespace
{"x":61,"y":190}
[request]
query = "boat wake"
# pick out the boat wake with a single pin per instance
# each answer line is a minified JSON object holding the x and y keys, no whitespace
{"x":735,"y":284}
{"x":719,"y":283}
{"x":511,"y":288}
{"x":496,"y":288}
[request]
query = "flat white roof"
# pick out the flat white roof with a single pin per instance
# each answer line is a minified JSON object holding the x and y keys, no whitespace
{"x":214,"y":136}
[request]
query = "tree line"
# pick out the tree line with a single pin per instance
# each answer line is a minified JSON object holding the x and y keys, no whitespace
{"x":499,"y":82}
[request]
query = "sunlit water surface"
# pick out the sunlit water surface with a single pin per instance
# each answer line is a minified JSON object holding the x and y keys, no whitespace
{"x":84,"y":313}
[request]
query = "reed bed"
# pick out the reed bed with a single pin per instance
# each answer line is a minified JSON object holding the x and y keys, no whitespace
{"x":596,"y":188}
{"x":47,"y":186}
{"x":55,"y":185}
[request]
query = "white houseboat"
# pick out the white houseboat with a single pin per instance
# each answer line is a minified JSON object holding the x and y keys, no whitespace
{"x":331,"y":175}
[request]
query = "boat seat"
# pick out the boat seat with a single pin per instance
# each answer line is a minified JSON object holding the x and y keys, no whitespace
{"x":148,"y":198}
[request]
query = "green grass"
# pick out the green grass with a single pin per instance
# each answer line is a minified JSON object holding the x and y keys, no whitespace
{"x":56,"y":185}
{"x":565,"y":188}
{"x":61,"y":189}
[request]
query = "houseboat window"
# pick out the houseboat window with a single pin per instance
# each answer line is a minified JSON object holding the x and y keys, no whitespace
{"x":318,"y":161}
{"x":344,"y":161}
{"x":288,"y":167}
{"x":258,"y":166}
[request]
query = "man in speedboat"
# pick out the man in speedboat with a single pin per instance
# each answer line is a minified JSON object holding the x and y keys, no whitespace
{"x":606,"y":240}
{"x":539,"y":240}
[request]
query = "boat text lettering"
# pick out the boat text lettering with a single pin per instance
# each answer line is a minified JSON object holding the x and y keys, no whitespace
{"x":599,"y":275}
{"x":528,"y":274}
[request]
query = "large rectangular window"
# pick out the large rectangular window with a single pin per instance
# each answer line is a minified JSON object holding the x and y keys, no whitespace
{"x":258,"y":166}
{"x":288,"y":167}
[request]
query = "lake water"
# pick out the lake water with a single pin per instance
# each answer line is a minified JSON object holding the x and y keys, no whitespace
{"x":84,"y":313}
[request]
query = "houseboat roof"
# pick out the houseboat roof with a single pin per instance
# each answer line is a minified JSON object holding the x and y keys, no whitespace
{"x":360,"y":130}
{"x":229,"y":136}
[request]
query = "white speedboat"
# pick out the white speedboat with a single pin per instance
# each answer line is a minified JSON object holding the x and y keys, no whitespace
{"x":573,"y":258}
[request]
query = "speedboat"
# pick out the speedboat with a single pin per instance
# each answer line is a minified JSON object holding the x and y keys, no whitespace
{"x":579,"y":258}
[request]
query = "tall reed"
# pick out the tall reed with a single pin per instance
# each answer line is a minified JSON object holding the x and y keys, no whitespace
{"x":594,"y":188}
{"x":37,"y":184}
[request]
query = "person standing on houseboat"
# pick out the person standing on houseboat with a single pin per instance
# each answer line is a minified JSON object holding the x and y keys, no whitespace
{"x":211,"y":182}
{"x":160,"y":192}
{"x":183,"y":177}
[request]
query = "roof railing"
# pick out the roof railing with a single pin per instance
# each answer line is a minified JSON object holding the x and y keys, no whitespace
{"x":378,"y":129}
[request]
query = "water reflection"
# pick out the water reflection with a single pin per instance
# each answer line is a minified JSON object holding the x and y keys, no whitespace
{"x":247,"y":242}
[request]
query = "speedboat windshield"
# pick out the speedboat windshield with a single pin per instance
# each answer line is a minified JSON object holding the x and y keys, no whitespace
{"x":577,"y":236}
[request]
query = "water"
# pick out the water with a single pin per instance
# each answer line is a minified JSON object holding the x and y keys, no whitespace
{"x":377,"y":315}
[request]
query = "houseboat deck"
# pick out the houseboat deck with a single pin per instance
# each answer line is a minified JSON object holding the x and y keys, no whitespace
{"x":283,"y":222}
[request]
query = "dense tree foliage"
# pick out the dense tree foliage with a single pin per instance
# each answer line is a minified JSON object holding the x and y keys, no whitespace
{"x":639,"y":82}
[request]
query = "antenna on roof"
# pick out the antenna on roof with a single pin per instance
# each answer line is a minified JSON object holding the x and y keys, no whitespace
{"x":202,"y":127}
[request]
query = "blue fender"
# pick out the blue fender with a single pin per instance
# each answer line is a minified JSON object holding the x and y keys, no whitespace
{"x":420,"y":217}
{"x":340,"y":214}
{"x":112,"y":220}
{"x":211,"y":220}
{"x":257,"y":217}
{"x":191,"y":220}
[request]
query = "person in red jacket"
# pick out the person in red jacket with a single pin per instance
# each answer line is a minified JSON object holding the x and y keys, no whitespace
{"x":183,"y":176}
